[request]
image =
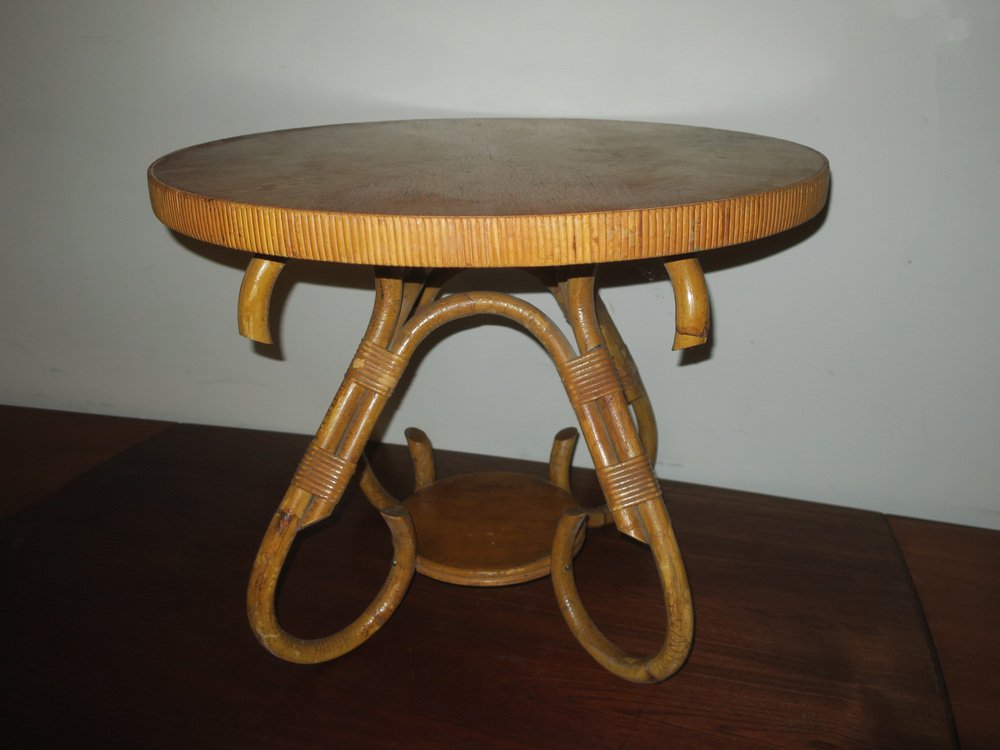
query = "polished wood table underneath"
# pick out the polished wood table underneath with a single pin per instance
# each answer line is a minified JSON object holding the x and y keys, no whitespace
{"x":122,"y":627}
{"x":420,"y":199}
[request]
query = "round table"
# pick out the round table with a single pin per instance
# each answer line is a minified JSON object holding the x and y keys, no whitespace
{"x":419,"y":200}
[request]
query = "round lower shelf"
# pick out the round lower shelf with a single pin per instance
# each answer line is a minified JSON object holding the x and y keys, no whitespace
{"x":488,"y":529}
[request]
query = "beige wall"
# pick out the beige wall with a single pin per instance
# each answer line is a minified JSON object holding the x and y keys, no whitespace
{"x":860,"y":366}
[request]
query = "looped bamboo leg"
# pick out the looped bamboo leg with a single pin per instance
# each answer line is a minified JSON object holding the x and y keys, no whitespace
{"x":633,"y":495}
{"x":674,"y":586}
{"x":320,"y":482}
{"x":267,"y":569}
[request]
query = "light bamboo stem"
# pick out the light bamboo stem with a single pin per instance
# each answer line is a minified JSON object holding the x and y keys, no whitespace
{"x":561,"y":457}
{"x":692,"y":312}
{"x":422,"y":455}
{"x":254,"y":305}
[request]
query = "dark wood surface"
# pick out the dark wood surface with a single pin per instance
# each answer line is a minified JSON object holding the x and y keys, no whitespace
{"x":956,"y":569}
{"x":123,"y":622}
{"x":43,"y":449}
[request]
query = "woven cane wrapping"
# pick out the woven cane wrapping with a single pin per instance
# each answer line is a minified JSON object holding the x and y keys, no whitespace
{"x":591,"y":376}
{"x":629,"y":483}
{"x":322,"y":474}
{"x":376,"y":368}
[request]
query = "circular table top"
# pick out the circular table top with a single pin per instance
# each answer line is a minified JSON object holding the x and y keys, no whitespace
{"x":488,"y":192}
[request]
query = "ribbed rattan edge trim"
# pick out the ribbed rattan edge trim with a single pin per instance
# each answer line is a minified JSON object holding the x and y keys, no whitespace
{"x":488,"y":241}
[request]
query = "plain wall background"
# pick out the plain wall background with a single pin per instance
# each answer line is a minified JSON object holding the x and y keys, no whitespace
{"x":858,"y":366}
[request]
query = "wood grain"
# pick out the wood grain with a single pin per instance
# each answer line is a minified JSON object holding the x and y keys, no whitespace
{"x":487,"y":193}
{"x":123,"y":623}
{"x":44,"y":450}
{"x":956,"y":570}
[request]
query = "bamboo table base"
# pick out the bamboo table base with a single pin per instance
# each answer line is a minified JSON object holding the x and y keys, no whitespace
{"x":556,"y":196}
{"x":486,"y":529}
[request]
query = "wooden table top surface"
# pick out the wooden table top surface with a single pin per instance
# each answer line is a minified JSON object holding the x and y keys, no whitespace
{"x":488,"y":192}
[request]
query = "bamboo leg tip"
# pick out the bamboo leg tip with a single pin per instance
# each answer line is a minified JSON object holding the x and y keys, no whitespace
{"x":422,"y":455}
{"x":567,"y":433}
{"x":561,"y":457}
{"x":254,"y":304}
{"x":688,"y":340}
{"x":257,"y":335}
{"x":416,"y":435}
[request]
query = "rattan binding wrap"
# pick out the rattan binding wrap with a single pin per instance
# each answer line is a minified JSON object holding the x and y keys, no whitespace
{"x":488,"y":241}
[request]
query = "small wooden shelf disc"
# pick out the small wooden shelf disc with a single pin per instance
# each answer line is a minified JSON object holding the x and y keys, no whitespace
{"x":488,"y":529}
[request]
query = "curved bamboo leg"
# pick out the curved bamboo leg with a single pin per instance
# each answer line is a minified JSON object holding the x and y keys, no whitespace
{"x":412,"y":293}
{"x":560,"y":465}
{"x":673,"y":583}
{"x":254,"y":305}
{"x":377,"y":495}
{"x":692,"y":315}
{"x":422,"y":456}
{"x":633,"y":494}
{"x":267,"y":569}
{"x":561,"y":456}
{"x":319,"y":483}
